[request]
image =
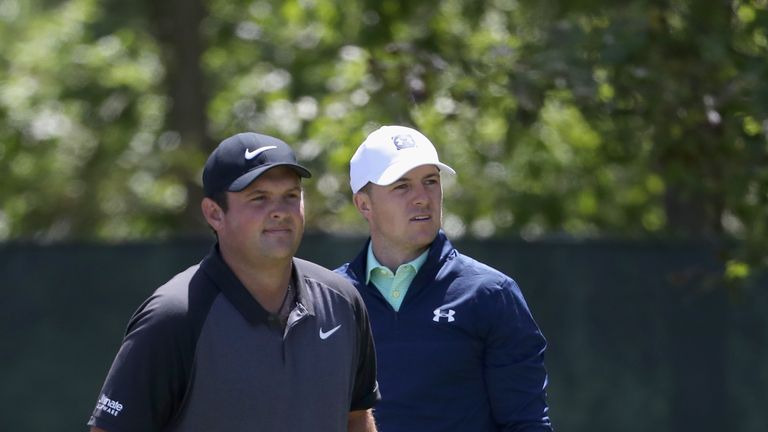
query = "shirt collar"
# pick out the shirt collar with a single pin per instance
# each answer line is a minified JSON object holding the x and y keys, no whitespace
{"x":372,"y":263}
{"x":228,"y":283}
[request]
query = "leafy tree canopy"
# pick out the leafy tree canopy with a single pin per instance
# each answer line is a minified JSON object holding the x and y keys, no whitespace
{"x":579,"y":117}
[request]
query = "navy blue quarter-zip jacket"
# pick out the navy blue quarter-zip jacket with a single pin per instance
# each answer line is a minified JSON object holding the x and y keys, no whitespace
{"x":462,"y":354}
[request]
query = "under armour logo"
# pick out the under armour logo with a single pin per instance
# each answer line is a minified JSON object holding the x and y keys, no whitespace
{"x":440,"y":314}
{"x":403,"y":141}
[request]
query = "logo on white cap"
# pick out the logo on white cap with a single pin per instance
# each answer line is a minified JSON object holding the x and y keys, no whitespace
{"x":403,"y":141}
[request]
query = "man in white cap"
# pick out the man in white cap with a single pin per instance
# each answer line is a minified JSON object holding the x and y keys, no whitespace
{"x":457,"y":347}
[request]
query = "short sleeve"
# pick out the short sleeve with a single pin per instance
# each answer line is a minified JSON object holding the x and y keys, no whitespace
{"x":148,"y":377}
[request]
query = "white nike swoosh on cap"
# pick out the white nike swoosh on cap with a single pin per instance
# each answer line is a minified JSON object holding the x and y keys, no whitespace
{"x":252,"y":154}
{"x":325,"y":335}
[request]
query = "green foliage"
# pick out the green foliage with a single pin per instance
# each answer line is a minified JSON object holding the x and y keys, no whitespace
{"x":586,"y":118}
{"x":83,"y":113}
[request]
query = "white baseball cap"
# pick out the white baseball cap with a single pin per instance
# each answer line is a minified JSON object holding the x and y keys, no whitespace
{"x":388,"y":153}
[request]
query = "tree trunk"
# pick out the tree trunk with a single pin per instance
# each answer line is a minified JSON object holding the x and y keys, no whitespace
{"x":177,"y":27}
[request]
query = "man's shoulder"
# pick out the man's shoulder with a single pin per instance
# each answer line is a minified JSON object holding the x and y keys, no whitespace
{"x":331,"y":279}
{"x":470,"y":274}
{"x":174,"y":294}
{"x":344,"y":271}
{"x":184,"y":297}
{"x":467,"y":265}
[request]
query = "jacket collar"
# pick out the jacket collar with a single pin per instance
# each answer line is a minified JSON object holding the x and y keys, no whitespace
{"x":440,"y":251}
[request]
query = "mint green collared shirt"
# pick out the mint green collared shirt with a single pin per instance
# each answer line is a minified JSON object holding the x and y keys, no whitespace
{"x":392,"y":286}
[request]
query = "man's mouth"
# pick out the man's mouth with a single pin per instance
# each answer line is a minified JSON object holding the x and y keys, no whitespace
{"x":421,"y":218}
{"x":277,"y":230}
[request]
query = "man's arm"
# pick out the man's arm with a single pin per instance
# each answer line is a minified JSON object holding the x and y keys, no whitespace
{"x":360,"y":421}
{"x":514,"y":364}
{"x":148,"y":377}
{"x":365,"y":391}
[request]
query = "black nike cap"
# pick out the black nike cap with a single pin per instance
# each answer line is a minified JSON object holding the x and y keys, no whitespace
{"x":241,"y":158}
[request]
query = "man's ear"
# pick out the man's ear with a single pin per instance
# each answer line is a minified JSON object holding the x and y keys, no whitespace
{"x":213,"y":213}
{"x":362,"y":203}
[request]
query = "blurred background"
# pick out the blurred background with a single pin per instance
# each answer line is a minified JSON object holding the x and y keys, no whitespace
{"x":612,"y":157}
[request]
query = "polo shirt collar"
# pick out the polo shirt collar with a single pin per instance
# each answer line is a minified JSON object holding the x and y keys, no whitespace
{"x":227,"y":282}
{"x":372,"y":263}
{"x":440,"y":252}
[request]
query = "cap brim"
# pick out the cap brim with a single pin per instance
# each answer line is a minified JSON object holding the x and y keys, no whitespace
{"x":246,"y":179}
{"x":396,"y":171}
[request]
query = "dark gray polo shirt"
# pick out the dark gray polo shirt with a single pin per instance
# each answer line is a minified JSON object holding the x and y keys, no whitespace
{"x":202,"y":355}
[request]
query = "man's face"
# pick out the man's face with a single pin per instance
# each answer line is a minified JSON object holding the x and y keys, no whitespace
{"x":404,"y":217}
{"x":265,"y":221}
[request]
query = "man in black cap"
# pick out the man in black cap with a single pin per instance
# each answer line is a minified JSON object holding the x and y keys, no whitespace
{"x":252,"y":338}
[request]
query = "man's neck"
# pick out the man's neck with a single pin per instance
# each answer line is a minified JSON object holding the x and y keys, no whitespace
{"x":266,"y":281}
{"x":392,"y":258}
